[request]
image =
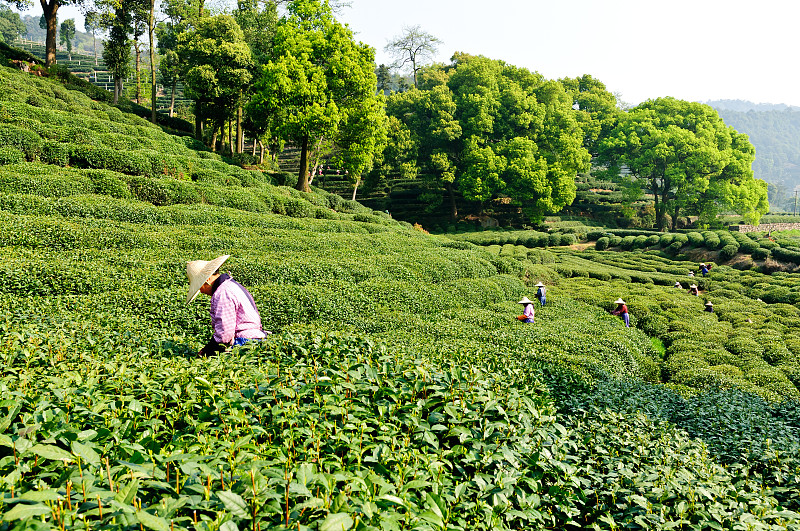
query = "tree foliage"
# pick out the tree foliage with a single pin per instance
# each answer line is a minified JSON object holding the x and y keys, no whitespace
{"x":492,"y":130}
{"x":11,"y":25}
{"x":216,"y":62}
{"x":687,"y":157}
{"x":320,"y":84}
{"x":67,"y":34}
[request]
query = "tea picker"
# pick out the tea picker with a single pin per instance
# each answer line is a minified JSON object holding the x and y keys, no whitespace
{"x":709,"y":307}
{"x":234,"y":315}
{"x":541,"y":293}
{"x":527,"y":312}
{"x":622,"y":311}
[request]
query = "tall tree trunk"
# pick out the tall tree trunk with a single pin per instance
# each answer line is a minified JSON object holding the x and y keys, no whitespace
{"x":675,"y":219}
{"x":151,"y":23}
{"x":117,"y":89}
{"x":50,"y":15}
{"x":230,"y":136}
{"x":355,"y":188}
{"x":138,"y":67}
{"x":239,"y":133}
{"x":198,"y":120}
{"x":214,"y":140}
{"x":261,"y":152}
{"x":172,"y":98}
{"x":302,"y":177}
{"x":453,"y":208}
{"x":94,"y":43}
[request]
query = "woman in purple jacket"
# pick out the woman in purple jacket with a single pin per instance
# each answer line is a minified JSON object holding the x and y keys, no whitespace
{"x":234,"y":315}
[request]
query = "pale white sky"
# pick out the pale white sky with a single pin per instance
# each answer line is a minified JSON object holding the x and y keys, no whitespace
{"x":696,"y":50}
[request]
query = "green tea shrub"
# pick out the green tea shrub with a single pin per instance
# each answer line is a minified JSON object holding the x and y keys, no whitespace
{"x":728,"y":251}
{"x":760,"y":253}
{"x":109,"y":183}
{"x":568,"y":239}
{"x":786,"y":255}
{"x":57,"y":153}
{"x":767,"y":244}
{"x":11,"y":155}
{"x":665,"y":240}
{"x":627,"y":242}
{"x":24,"y":140}
{"x":674,"y":248}
{"x":614,"y":241}
{"x":541,"y":256}
{"x":554,"y":239}
{"x":602,"y":243}
{"x":695,"y":239}
{"x":640,"y":242}
{"x":161,"y":192}
{"x":653,"y":240}
{"x":681,"y":238}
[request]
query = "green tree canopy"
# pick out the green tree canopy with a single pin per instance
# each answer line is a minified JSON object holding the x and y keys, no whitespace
{"x":493,"y":130}
{"x":687,"y":157}
{"x":67,"y":35}
{"x":216,"y":68}
{"x":320,"y":84}
{"x":11,"y":25}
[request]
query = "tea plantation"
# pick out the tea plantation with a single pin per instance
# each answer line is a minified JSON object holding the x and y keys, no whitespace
{"x":397,"y":391}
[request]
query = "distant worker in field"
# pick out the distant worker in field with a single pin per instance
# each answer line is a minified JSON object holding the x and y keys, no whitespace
{"x":622,"y":311}
{"x":527,"y":312}
{"x":541,"y":293}
{"x":677,"y":285}
{"x":691,"y":274}
{"x":709,"y":307}
{"x":703,"y":269}
{"x":234,"y":316}
{"x":693,"y":290}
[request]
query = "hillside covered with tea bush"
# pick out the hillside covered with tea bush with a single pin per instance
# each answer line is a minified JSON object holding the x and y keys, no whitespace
{"x":397,"y":391}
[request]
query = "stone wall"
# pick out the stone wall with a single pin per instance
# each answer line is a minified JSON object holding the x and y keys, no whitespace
{"x":766,"y":227}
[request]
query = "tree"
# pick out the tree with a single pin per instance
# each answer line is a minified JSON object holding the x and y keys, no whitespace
{"x":11,"y":25}
{"x":216,"y":67}
{"x":50,"y":14}
{"x":490,"y":130}
{"x":687,"y":157}
{"x":597,"y":110}
{"x":91,"y":24}
{"x":117,"y":49}
{"x":384,"y":79}
{"x":67,"y":35}
{"x":320,"y":85}
{"x":413,"y":47}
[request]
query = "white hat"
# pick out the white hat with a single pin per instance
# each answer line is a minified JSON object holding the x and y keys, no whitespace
{"x":525,"y":301}
{"x":619,"y":301}
{"x":540,"y":284}
{"x":677,"y":284}
{"x":703,"y":264}
{"x":693,"y":286}
{"x":709,"y":303}
{"x":199,"y":271}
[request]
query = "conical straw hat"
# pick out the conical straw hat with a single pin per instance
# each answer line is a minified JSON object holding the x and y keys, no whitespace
{"x":619,"y":301}
{"x":540,"y":284}
{"x":525,"y":301}
{"x":199,"y":271}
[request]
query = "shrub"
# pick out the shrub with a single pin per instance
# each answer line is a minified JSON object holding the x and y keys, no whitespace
{"x":711,"y":240}
{"x":695,"y":239}
{"x":767,"y":244}
{"x":640,"y":242}
{"x":568,"y":239}
{"x":729,"y":251}
{"x":56,"y":153}
{"x":665,"y":240}
{"x":24,"y":140}
{"x":554,"y":239}
{"x":674,"y":247}
{"x":11,"y":155}
{"x":653,"y":240}
{"x":760,"y":254}
{"x":627,"y":242}
{"x":602,"y":243}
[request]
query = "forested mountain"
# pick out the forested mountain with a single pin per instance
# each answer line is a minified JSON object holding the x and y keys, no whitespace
{"x":774,"y":130}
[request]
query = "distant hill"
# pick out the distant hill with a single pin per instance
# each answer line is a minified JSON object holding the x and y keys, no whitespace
{"x":774,"y":130}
